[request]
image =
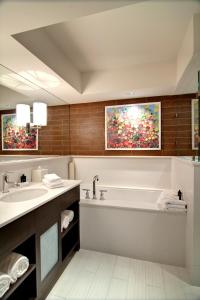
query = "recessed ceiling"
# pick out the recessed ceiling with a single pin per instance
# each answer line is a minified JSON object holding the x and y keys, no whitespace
{"x":105,"y":52}
{"x":149,"y":32}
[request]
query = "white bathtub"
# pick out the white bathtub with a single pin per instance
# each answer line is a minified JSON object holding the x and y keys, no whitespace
{"x":123,"y":197}
{"x":128,"y":223}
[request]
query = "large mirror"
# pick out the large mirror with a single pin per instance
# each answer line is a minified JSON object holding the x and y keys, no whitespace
{"x":14,"y":88}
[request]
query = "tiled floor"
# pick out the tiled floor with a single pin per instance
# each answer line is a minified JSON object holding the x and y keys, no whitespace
{"x":94,"y":275}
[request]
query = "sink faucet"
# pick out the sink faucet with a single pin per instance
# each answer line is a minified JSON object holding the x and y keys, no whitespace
{"x":5,"y":183}
{"x":96,"y":178}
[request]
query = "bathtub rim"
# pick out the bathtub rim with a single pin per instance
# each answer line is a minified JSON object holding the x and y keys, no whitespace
{"x":91,"y":204}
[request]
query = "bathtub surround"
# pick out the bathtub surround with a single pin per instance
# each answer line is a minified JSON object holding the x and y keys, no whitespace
{"x":129,"y":213}
{"x":79,"y":129}
{"x":152,"y":172}
{"x":140,"y":234}
{"x":182,"y":230}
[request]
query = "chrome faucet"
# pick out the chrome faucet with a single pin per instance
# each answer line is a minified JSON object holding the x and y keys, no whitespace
{"x":96,"y":178}
{"x":5,"y":183}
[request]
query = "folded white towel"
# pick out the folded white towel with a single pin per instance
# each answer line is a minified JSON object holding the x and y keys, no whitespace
{"x":176,"y":209}
{"x":169,"y":197}
{"x":64,"y":221}
{"x":176,"y":206}
{"x":5,"y":281}
{"x":53,"y":185}
{"x":15,"y":265}
{"x":69,"y":213}
{"x":175,"y":202}
{"x":51,"y":177}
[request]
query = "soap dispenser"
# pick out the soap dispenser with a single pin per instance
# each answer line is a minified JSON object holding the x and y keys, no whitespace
{"x":23,"y":178}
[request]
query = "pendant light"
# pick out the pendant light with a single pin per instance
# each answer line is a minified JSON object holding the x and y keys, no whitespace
{"x":23,"y":115}
{"x":39,"y":114}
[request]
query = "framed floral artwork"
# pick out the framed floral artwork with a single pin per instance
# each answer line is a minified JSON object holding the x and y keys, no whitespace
{"x":16,"y":138}
{"x":133,"y":127}
{"x":195,"y":124}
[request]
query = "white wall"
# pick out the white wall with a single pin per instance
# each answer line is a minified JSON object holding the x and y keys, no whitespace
{"x":186,"y":176}
{"x":125,"y":171}
{"x":58,"y":165}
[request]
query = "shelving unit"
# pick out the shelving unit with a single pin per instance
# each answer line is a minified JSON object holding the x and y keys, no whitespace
{"x":70,"y":240}
{"x":24,"y":235}
{"x":71,"y":225}
{"x":70,"y":236}
{"x":10,"y":294}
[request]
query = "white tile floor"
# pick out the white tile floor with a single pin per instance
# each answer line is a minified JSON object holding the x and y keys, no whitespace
{"x":94,"y":275}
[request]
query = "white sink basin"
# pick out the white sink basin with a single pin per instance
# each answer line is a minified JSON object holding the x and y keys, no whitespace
{"x":24,"y":195}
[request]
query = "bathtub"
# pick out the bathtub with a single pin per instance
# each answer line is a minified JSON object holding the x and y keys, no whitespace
{"x":124,"y":197}
{"x":129,"y":223}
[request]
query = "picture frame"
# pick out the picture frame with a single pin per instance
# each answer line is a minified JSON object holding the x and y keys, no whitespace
{"x":16,"y":138}
{"x":195,"y":123}
{"x":133,"y":126}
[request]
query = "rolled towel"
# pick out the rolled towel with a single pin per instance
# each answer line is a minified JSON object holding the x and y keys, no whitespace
{"x":51,"y":177}
{"x":53,"y":185}
{"x":15,"y":265}
{"x":5,"y":281}
{"x":69,"y":213}
{"x":64,"y":221}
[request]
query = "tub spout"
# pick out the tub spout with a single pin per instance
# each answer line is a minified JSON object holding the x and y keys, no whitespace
{"x":96,"y":178}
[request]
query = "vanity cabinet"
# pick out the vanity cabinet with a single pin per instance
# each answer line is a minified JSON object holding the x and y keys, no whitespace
{"x":38,"y":236}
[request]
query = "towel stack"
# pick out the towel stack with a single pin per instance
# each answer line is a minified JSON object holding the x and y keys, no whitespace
{"x":169,"y":200}
{"x":53,"y":181}
{"x":66,"y":217}
{"x":11,"y":268}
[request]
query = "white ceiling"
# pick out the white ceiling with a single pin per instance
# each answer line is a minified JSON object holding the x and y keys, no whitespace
{"x":150,"y":32}
{"x":86,"y":51}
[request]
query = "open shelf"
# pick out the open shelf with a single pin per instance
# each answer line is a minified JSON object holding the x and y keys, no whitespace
{"x":71,"y":225}
{"x":70,"y":240}
{"x":19,"y":281}
{"x":71,"y":252}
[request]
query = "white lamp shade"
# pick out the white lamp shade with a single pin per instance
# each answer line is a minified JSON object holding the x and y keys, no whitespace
{"x":22,"y":114}
{"x":39,"y":113}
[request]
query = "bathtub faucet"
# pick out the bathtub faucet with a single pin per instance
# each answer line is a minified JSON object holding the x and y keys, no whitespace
{"x":96,"y":178}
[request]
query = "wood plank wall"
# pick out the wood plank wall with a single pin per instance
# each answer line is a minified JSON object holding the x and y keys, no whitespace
{"x":54,"y":138}
{"x":79,"y":129}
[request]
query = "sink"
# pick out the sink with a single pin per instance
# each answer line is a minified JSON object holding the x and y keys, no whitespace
{"x":24,"y":195}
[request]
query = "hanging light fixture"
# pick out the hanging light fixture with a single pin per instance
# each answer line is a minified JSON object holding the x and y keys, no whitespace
{"x":23,"y":115}
{"x":39,"y":114}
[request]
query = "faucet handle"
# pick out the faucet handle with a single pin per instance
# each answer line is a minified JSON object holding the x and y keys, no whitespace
{"x":87,"y":195}
{"x":102,"y":194}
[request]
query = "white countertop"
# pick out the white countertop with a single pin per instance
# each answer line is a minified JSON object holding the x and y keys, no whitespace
{"x":14,"y":210}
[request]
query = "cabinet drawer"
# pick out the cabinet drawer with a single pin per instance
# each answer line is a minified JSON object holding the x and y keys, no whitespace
{"x":70,"y":197}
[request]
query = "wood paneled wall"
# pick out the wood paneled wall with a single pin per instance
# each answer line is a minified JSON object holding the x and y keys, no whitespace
{"x":53,"y":139}
{"x":79,"y":129}
{"x":87,"y":135}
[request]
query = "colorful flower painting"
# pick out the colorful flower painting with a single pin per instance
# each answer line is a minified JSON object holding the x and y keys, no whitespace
{"x":133,"y":127}
{"x":15,"y":137}
{"x":195,"y":124}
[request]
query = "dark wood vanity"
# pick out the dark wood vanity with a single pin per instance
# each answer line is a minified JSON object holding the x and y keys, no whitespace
{"x":37,"y":235}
